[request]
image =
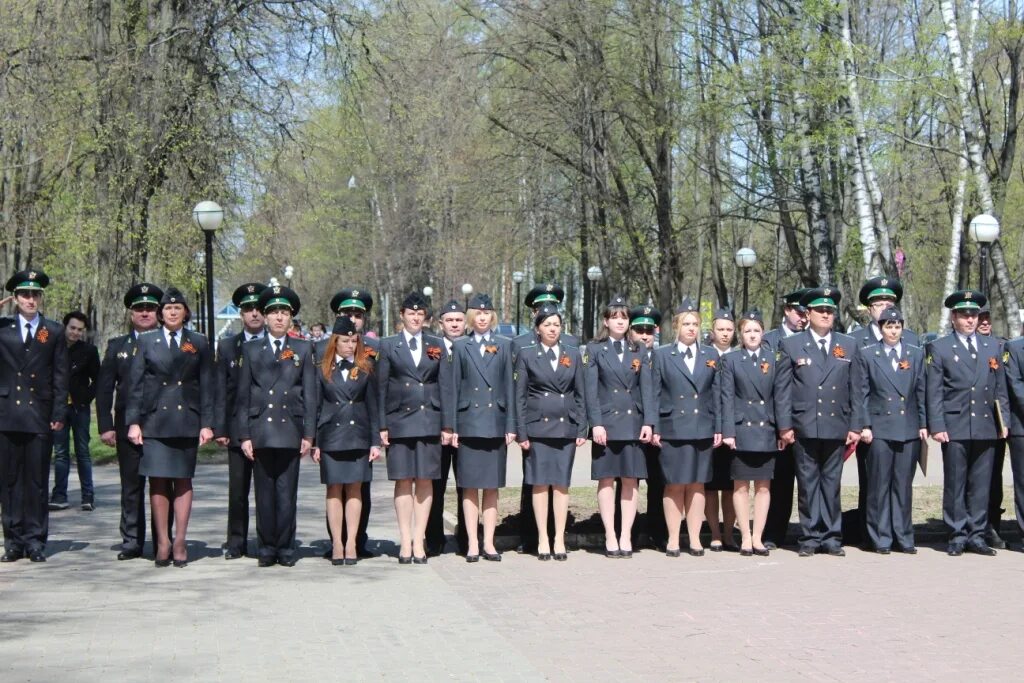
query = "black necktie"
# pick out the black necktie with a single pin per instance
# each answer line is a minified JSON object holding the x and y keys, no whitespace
{"x":618,"y":348}
{"x":345,"y":364}
{"x":28,"y":335}
{"x":689,"y":354}
{"x":277,"y":346}
{"x":174,"y":341}
{"x":753,"y":357}
{"x":824,"y":349}
{"x":893,"y":357}
{"x":550,"y":355}
{"x":412,"y":344}
{"x":971,"y":347}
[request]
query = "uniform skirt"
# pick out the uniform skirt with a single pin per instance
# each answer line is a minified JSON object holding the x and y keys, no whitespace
{"x":172,"y":458}
{"x":417,"y":458}
{"x":686,"y":461}
{"x":345,"y":467}
{"x":618,"y":459}
{"x":753,"y":465}
{"x":480,"y":463}
{"x":549,"y":462}
{"x":721,"y":470}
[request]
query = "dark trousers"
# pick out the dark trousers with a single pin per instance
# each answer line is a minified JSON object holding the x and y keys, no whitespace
{"x":967,"y":477}
{"x":657,"y":529}
{"x":76,"y":431}
{"x":1017,"y":463}
{"x":275,"y":476}
{"x":819,"y":468}
{"x":781,"y":506}
{"x":890,"y":480}
{"x":239,"y":482}
{"x":435,"y":523}
{"x":25,"y":468}
{"x":995,"y":491}
{"x":133,"y":494}
{"x":855,"y":522}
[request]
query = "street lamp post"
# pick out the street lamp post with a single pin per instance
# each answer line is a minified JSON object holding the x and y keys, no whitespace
{"x":518,"y":277}
{"x":984,"y":230}
{"x":594,"y":274}
{"x":745,"y":259}
{"x":467,"y":289}
{"x":288,"y":273}
{"x":208,"y":216}
{"x":428,"y":292}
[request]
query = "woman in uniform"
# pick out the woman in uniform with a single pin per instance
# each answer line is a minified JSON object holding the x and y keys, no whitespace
{"x":277,"y":402}
{"x":170,"y":407}
{"x":748,"y":427}
{"x":550,"y":424}
{"x":620,"y":410}
{"x":686,"y":382}
{"x":484,"y":422}
{"x":412,"y":394}
{"x":720,"y":489}
{"x":347,"y":436}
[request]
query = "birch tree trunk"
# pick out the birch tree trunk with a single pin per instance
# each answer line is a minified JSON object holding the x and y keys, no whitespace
{"x":957,"y":232}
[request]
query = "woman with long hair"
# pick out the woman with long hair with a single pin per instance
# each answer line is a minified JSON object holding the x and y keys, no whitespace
{"x":347,"y":435}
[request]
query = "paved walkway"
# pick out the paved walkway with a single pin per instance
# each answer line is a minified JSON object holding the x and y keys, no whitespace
{"x":84,"y":616}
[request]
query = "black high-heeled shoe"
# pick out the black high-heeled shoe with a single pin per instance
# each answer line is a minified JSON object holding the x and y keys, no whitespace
{"x":419,"y":560}
{"x":405,"y":559}
{"x":163,"y":563}
{"x":492,"y":557}
{"x":180,"y":563}
{"x":338,"y":561}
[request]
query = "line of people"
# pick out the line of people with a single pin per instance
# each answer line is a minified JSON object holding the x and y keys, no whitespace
{"x":690,"y":418}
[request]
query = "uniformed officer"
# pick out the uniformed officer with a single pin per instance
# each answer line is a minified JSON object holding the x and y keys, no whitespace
{"x":643,"y":325}
{"x":453,"y":327}
{"x":276,"y":416}
{"x":995,"y":495}
{"x":170,"y":407}
{"x":142,"y":300}
{"x":812,"y":404}
{"x":781,"y":507}
{"x":540,"y":294}
{"x":34,"y":374}
{"x":551,"y":422}
{"x":888,"y":398}
{"x":1013,"y":355}
{"x":966,"y":383}
{"x":621,"y":413}
{"x":878,"y":294}
{"x":229,"y":355}
{"x":686,"y":384}
{"x":357,"y":304}
{"x":348,"y":433}
{"x":483,"y":423}
{"x":718,"y":491}
{"x":413,"y":392}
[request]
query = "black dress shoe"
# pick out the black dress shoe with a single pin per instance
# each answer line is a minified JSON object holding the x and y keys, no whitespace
{"x":626,"y":554}
{"x":612,"y":553}
{"x":762,"y":552}
{"x":746,"y":552}
{"x":955,"y":549}
{"x":836,"y":551}
{"x":883,"y":551}
{"x":560,"y":557}
{"x":805,"y":551}
{"x":909,"y":550}
{"x":266,"y":562}
{"x":981,"y":549}
{"x":180,"y":563}
{"x":12,"y":556}
{"x":675,"y":552}
{"x":286,"y":561}
{"x":695,"y":552}
{"x":351,"y":561}
{"x":419,"y":560}
{"x":771,"y":545}
{"x":543,"y":557}
{"x":716,"y":548}
{"x":129,"y":554}
{"x":492,"y":557}
{"x":338,"y":561}
{"x":405,"y":559}
{"x":472,"y":558}
{"x":40,"y":556}
{"x":166,"y":562}
{"x":993,"y":539}
{"x":730,"y":548}
{"x":232,"y":554}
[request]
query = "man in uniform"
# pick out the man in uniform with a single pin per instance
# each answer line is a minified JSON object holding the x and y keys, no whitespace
{"x":643,"y":323}
{"x":34,"y":374}
{"x":229,"y":356}
{"x":142,"y":300}
{"x":995,"y":494}
{"x":812,"y":405}
{"x":780,"y":509}
{"x":453,"y":326}
{"x":542,"y":293}
{"x":966,"y":387}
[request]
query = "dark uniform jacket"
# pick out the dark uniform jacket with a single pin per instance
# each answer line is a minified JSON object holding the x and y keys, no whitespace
{"x":1013,"y":355}
{"x":687,"y":403}
{"x":229,"y":365}
{"x":891,"y":403}
{"x":550,"y":404}
{"x":84,"y":370}
{"x":619,"y":395}
{"x":525,"y":339}
{"x":277,"y":394}
{"x":347,"y":415}
{"x":812,"y":394}
{"x":774,"y":337}
{"x":412,"y":397}
{"x":866,"y":336}
{"x":748,"y":400}
{"x":484,"y":393}
{"x":170,"y":394}
{"x":962,"y":391}
{"x":33,"y":382}
{"x":112,"y":383}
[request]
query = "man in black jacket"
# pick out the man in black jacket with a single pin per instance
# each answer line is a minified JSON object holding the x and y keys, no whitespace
{"x":84,"y":369}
